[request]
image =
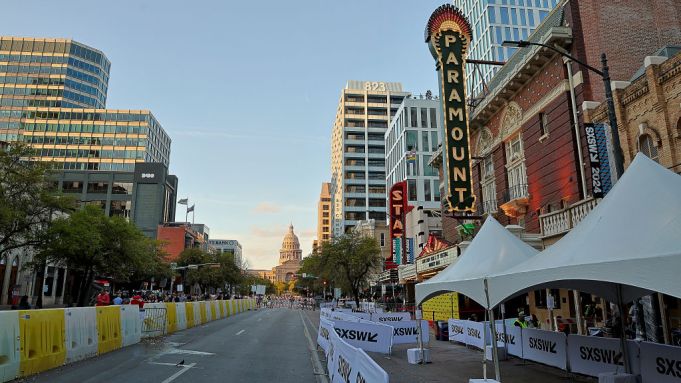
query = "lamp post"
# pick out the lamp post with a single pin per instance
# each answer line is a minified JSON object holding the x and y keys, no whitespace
{"x":604,"y":72}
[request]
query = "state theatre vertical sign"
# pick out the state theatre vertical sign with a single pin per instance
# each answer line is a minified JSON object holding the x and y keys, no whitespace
{"x":448,"y":35}
{"x":398,"y":210}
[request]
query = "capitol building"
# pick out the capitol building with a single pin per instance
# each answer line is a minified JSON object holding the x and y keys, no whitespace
{"x":290,"y":257}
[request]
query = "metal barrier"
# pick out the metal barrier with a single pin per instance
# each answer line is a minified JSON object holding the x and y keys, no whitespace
{"x":155,"y":319}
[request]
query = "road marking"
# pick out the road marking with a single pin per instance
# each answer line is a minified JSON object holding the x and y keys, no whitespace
{"x":177,"y":374}
{"x":240,"y":332}
{"x":188,"y":352}
{"x":317,"y":367}
{"x":169,"y":364}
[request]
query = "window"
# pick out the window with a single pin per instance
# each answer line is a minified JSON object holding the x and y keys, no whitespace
{"x":489,"y":188}
{"x":121,"y":188}
{"x":411,"y":190}
{"x":424,"y":141}
{"x":97,"y":187}
{"x":540,"y":298}
{"x":424,"y":117}
{"x":436,"y":188}
{"x":325,"y":222}
{"x":325,"y":214}
{"x":426,"y":190}
{"x":515,"y":167}
{"x":412,"y":138}
{"x":433,"y":118}
{"x":120,"y":209}
{"x":543,"y":124}
{"x":647,"y":147}
{"x":382,"y":239}
{"x":414,"y":120}
{"x":72,"y":187}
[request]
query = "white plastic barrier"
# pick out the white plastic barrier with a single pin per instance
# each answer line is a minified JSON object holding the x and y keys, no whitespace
{"x":512,"y":339}
{"x":369,"y":336}
{"x":209,"y":312}
{"x":181,"y":315}
{"x":405,"y":332}
{"x":457,"y":330}
{"x":548,"y":347}
{"x":325,"y":328}
{"x":216,"y":307}
{"x":81,"y":333}
{"x":9,"y":345}
{"x":388,"y":318}
{"x":197,"y":313}
{"x":131,"y":325}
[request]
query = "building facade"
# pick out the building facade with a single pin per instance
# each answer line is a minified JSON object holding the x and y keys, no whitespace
{"x":178,"y":236}
{"x":364,"y":113}
{"x":323,"y":217}
{"x":494,"y":21}
{"x":229,"y":246}
{"x":290,"y":257}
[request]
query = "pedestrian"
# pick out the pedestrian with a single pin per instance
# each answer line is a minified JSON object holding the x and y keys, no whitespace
{"x":23,"y":303}
{"x":520,"y":321}
{"x":137,"y":300}
{"x":103,"y":298}
{"x":118,"y":300}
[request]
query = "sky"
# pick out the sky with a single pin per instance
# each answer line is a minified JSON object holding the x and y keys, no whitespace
{"x":247,"y":91}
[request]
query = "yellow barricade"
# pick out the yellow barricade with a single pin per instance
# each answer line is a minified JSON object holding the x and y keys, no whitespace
{"x":202,"y":312}
{"x":189,"y":310}
{"x":42,"y":340}
{"x":171,"y":317}
{"x":214,"y":314}
{"x":223,"y":312}
{"x":109,"y":329}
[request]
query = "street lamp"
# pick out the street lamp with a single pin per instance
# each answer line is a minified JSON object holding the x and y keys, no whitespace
{"x":604,"y":72}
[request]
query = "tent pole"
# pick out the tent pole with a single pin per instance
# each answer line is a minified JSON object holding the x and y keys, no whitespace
{"x":484,"y":350}
{"x":623,"y":342}
{"x":493,"y":328}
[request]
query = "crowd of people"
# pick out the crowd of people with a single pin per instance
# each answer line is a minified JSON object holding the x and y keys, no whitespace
{"x":286,"y":301}
{"x":123,"y":297}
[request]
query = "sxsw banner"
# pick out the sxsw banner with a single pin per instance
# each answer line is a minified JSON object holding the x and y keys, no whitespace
{"x":457,"y":330}
{"x":590,"y":355}
{"x":368,"y":336}
{"x":597,"y":150}
{"x":474,"y":334}
{"x":368,"y":371}
{"x":389,"y":318}
{"x":347,"y":364}
{"x":405,"y":332}
{"x":512,"y":339}
{"x":660,"y":363}
{"x":325,"y":328}
{"x":547,"y":347}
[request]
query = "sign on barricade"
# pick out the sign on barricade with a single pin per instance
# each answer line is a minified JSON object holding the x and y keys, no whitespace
{"x":547,"y":347}
{"x":474,"y":334}
{"x":590,"y":355}
{"x":368,"y":371}
{"x":388,"y":318}
{"x":511,"y":339}
{"x":457,"y":330}
{"x":325,"y":327}
{"x":407,"y":332}
{"x":374,"y":337}
{"x":660,"y":363}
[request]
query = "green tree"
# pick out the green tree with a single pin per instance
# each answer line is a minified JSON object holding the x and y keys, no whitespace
{"x":94,"y":244}
{"x":221,"y":273}
{"x":347,"y":261}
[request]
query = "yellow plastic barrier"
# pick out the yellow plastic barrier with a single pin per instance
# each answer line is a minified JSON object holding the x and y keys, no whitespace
{"x":171,"y":317}
{"x":189,"y":310}
{"x":202,"y":312}
{"x":109,"y":329}
{"x":42,"y":340}
{"x":223,"y":312}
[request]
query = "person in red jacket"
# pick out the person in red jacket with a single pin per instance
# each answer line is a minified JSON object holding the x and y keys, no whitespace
{"x":103,"y":298}
{"x":137,"y":300}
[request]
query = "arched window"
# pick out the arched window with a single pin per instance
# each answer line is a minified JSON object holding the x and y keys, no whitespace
{"x":647,"y":147}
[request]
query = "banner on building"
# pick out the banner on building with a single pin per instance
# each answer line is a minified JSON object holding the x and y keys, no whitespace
{"x":599,"y":163}
{"x":405,"y":332}
{"x":397,"y":209}
{"x":547,"y":347}
{"x":397,"y":251}
{"x":369,"y":336}
{"x":410,"y":250}
{"x":448,"y":35}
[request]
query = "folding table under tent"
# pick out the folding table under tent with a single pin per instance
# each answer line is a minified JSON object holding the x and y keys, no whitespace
{"x":628,"y":246}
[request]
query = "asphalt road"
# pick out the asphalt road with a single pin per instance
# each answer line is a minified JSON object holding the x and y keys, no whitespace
{"x":268,"y":345}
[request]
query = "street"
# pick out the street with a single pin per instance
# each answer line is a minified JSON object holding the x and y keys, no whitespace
{"x":255,"y":346}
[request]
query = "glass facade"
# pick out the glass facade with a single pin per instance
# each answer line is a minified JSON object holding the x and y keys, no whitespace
{"x":494,"y":21}
{"x":53,"y":95}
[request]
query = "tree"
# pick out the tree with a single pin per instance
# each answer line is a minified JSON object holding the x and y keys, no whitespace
{"x":94,"y":244}
{"x":348,"y":260}
{"x":223,"y":271}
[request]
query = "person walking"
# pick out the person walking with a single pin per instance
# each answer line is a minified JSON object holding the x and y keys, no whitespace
{"x":118,"y":300}
{"x":23,"y":303}
{"x":103,"y":298}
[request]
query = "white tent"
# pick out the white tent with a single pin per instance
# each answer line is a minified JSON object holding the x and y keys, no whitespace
{"x":494,"y":249}
{"x":630,"y":241}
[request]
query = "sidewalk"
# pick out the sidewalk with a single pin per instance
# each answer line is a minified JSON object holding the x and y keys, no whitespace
{"x":455,"y":363}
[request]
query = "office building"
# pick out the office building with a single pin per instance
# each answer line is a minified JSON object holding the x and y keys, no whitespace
{"x":323,"y":216}
{"x":364,"y":112}
{"x":53,"y":95}
{"x":494,"y":21}
{"x":177,"y":237}
{"x":229,"y":246}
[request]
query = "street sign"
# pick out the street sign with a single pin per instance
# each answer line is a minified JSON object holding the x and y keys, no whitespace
{"x":180,"y":288}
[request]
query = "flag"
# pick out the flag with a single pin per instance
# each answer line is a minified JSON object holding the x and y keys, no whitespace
{"x":191,"y":208}
{"x":183,"y":201}
{"x":411,"y":156}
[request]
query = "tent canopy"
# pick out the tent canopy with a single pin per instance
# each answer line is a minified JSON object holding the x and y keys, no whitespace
{"x":632,"y":239}
{"x":494,"y":249}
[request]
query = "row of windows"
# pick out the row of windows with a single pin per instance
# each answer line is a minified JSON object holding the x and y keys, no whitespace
{"x":363,"y":189}
{"x":18,"y":45}
{"x":77,"y":115}
{"x":26,"y":80}
{"x":12,"y":91}
{"x":49,"y":70}
{"x":84,"y":153}
{"x":99,"y":141}
{"x":26,"y":58}
{"x":27,"y":103}
{"x":119,"y":188}
{"x":93,"y":166}
{"x":83,"y":128}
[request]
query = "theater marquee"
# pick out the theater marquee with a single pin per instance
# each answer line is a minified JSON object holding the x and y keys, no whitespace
{"x":448,"y":35}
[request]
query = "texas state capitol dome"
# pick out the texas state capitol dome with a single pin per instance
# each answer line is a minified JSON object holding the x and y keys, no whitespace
{"x":290,"y":256}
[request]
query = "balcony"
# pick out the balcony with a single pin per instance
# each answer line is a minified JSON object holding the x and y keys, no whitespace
{"x":562,"y":221}
{"x":516,"y":199}
{"x":489,"y":207}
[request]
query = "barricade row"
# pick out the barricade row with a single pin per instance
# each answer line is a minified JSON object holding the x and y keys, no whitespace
{"x":32,"y":341}
{"x":587,"y":355}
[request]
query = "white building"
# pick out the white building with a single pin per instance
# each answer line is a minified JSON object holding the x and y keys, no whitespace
{"x":492,"y":22}
{"x":229,"y":246}
{"x":413,"y":136}
{"x":365,"y":111}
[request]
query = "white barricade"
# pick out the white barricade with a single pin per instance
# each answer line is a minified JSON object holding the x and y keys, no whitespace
{"x":457,"y":330}
{"x":9,"y":345}
{"x":512,"y":339}
{"x":590,"y":355}
{"x":405,"y":332}
{"x":81,"y":333}
{"x":388,"y":318}
{"x":131,"y":325}
{"x":181,"y":314}
{"x":344,"y":316}
{"x":367,"y":370}
{"x":334,"y":339}
{"x":369,"y":336}
{"x":216,"y":306}
{"x":209,"y":313}
{"x":547,"y":347}
{"x":325,"y":327}
{"x":197,"y":313}
{"x":474,"y":334}
{"x":660,"y":363}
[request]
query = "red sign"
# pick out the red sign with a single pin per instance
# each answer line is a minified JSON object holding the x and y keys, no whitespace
{"x":398,"y":212}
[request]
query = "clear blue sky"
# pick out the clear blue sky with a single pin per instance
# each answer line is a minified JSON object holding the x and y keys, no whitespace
{"x":246,"y":89}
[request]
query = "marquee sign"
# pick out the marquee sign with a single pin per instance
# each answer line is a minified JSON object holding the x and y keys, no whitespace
{"x":398,"y":207}
{"x":448,"y":34}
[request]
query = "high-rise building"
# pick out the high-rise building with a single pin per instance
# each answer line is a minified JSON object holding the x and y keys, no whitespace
{"x":229,"y":246}
{"x":365,"y":110}
{"x":323,"y":216}
{"x":492,"y":23}
{"x":53,"y":95}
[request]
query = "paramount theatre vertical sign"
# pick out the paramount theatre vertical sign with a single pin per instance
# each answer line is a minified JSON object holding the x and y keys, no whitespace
{"x":448,"y":35}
